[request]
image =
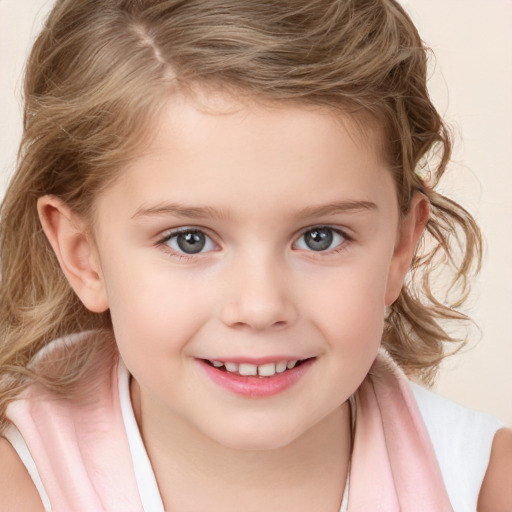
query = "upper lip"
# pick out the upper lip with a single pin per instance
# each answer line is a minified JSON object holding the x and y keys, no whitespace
{"x":256,"y":360}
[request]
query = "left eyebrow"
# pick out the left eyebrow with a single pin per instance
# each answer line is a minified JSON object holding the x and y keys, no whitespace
{"x":338,"y":207}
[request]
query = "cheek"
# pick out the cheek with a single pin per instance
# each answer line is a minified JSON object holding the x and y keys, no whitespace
{"x":348,"y":307}
{"x":352,"y":323}
{"x":155,"y":310}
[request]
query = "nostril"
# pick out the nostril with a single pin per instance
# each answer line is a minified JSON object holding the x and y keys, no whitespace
{"x":257,"y":313}
{"x":239,"y":325}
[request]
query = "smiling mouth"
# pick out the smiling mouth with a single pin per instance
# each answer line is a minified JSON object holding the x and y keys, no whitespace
{"x":255,"y":370}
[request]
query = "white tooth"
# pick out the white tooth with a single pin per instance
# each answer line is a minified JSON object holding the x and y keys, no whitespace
{"x":217,"y":364}
{"x":281,"y":367}
{"x":291,"y":364}
{"x":231,"y":367}
{"x":267,"y":370}
{"x":247,"y":369}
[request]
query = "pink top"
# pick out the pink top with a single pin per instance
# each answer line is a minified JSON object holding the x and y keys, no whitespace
{"x":80,"y":446}
{"x":82,"y":452}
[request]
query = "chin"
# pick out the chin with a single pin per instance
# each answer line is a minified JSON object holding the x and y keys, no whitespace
{"x":256,"y":437}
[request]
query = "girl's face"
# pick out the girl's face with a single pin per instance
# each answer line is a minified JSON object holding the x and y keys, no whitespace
{"x":248,"y":238}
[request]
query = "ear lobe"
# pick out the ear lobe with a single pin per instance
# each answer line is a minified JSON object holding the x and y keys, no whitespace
{"x":409,"y":232}
{"x":75,"y":251}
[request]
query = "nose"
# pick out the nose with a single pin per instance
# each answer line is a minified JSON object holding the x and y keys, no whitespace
{"x":259,"y":297}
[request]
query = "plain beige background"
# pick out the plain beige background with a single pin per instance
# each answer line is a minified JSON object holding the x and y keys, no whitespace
{"x":472,"y":86}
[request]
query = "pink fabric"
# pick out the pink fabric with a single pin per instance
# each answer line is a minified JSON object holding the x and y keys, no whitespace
{"x":393,"y":465}
{"x":82,"y":454}
{"x":80,"y":447}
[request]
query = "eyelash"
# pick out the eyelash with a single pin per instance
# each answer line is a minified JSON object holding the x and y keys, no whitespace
{"x":342,"y":246}
{"x":182,"y":256}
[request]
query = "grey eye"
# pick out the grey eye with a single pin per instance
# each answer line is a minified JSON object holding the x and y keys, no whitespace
{"x":190,"y":242}
{"x":320,"y":239}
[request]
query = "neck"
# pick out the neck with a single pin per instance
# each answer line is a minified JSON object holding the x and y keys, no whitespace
{"x":196,"y":473}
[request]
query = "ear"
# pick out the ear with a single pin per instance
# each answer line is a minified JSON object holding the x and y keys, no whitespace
{"x":75,"y":251}
{"x":409,"y":231}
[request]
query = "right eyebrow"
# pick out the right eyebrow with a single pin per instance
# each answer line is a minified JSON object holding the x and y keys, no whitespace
{"x":181,"y":211}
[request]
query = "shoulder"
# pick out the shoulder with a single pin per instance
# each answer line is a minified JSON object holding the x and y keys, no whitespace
{"x":496,"y":491}
{"x":21,"y":494}
{"x":450,"y":422}
{"x":462,"y":440}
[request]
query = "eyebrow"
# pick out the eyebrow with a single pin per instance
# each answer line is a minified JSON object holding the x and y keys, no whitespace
{"x":207,"y":212}
{"x":179,"y":210}
{"x":338,"y":207}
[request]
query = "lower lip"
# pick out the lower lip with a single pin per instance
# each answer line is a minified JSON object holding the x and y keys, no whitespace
{"x":253,"y":386}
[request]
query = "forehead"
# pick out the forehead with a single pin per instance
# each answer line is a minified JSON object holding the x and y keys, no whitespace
{"x":214,"y":148}
{"x":229,"y":106}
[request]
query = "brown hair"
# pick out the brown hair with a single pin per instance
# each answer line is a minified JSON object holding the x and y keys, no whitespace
{"x":100,"y":71}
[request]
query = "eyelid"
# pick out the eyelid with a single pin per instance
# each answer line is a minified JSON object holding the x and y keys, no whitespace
{"x":173,"y":232}
{"x":339,"y":231}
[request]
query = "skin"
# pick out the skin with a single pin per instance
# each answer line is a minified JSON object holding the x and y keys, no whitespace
{"x":254,"y":178}
{"x":496,"y":491}
{"x":21,"y":494}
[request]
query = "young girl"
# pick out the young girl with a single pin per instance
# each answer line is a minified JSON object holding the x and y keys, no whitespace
{"x":216,"y":260}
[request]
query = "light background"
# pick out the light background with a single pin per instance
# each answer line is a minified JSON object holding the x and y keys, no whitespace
{"x":472,"y":86}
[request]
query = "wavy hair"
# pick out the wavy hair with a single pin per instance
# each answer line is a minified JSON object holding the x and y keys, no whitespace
{"x":101,"y":70}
